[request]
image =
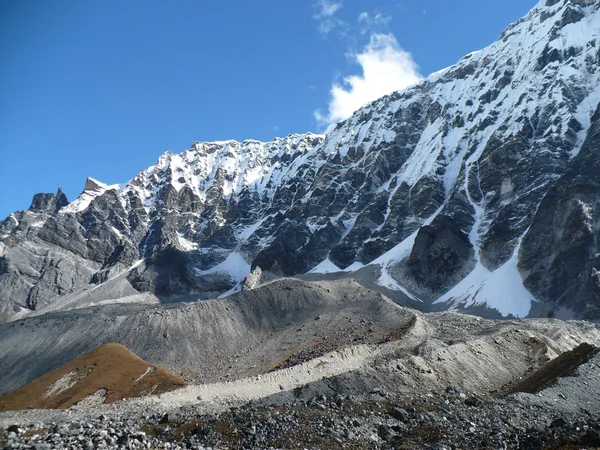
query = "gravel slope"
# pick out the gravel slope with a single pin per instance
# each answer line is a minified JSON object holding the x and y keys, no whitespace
{"x":248,"y":334}
{"x":324,"y":364}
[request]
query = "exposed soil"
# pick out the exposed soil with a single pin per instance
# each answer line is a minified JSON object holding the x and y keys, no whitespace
{"x":104,"y":375}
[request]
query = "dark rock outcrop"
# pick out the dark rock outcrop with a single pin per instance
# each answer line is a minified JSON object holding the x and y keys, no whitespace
{"x":441,"y":256}
{"x":559,"y":255}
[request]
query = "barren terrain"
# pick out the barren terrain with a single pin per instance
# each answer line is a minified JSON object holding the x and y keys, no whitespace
{"x":105,"y":375}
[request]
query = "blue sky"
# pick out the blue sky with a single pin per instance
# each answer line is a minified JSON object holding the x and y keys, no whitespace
{"x":102,"y":87}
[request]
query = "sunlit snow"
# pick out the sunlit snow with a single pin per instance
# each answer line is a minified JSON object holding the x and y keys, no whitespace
{"x":234,"y":265}
{"x":325,"y":267}
{"x":501,"y":289}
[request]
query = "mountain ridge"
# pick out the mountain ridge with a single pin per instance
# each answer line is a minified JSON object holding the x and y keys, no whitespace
{"x":436,"y":191}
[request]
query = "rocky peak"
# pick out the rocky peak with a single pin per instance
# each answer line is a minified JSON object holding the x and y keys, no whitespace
{"x":224,"y":167}
{"x":61,"y":199}
{"x":550,"y":3}
{"x":41,"y":201}
{"x":48,"y":203}
{"x":93,"y":185}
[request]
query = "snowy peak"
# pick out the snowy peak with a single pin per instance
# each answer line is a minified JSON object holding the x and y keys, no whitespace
{"x":549,"y":4}
{"x":94,"y":186}
{"x":484,"y":141}
{"x":439,"y":195}
{"x":228,"y":166}
{"x":93,"y":189}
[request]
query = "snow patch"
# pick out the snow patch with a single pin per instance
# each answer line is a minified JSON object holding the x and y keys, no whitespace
{"x":186,"y":245}
{"x":234,"y":265}
{"x":117,"y":232}
{"x":326,"y":267}
{"x":234,"y":290}
{"x":583,"y":115}
{"x":501,"y":290}
{"x":248,"y":231}
{"x":392,"y":256}
{"x":395,"y":255}
{"x":86,"y":197}
{"x":354,"y":267}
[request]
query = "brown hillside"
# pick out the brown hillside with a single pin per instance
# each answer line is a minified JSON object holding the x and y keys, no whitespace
{"x":562,"y":366}
{"x":104,"y":375}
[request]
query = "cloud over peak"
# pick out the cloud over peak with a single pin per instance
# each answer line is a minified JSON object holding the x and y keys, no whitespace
{"x":386,"y":68}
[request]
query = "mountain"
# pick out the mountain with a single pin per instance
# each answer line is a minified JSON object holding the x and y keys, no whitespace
{"x":477,"y":189}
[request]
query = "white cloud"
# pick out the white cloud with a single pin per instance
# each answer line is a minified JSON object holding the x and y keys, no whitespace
{"x":325,"y":16}
{"x":385,"y":68}
{"x":373,"y":22}
{"x":328,"y":8}
{"x":328,"y":24}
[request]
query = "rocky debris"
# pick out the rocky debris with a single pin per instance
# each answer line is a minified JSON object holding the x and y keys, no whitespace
{"x":244,"y":335}
{"x":561,"y":366}
{"x":402,"y":397}
{"x":439,"y":419}
{"x":290,"y":322}
{"x":253,"y":280}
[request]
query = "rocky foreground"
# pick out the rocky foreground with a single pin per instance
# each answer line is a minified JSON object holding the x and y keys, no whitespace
{"x":315,"y":365}
{"x":565,"y":414}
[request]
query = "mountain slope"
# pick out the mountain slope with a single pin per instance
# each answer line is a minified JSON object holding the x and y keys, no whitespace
{"x":251,"y":333}
{"x":103,"y":375}
{"x":473,"y":189}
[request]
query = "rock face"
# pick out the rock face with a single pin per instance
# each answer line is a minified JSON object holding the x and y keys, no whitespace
{"x":253,"y":279}
{"x":560,"y":254}
{"x":48,"y":203}
{"x":441,"y":256}
{"x":476,"y":188}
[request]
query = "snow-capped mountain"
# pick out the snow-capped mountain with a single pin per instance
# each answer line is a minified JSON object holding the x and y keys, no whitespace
{"x":477,"y":188}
